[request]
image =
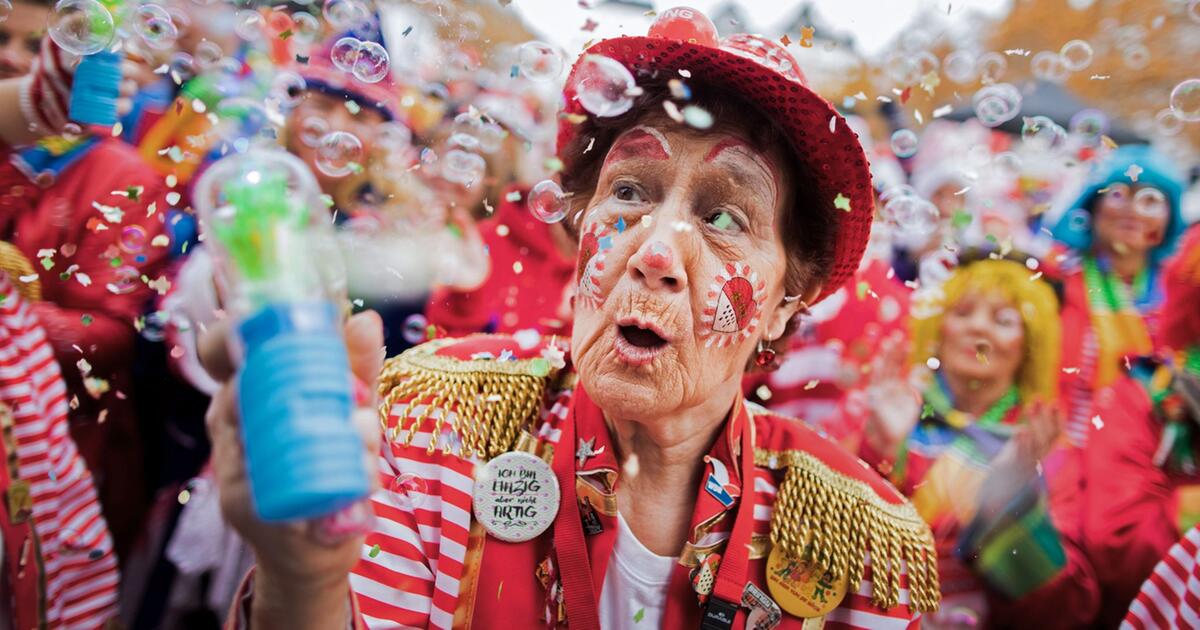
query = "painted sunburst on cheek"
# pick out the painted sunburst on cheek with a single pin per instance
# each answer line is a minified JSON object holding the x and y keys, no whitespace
{"x":734,"y":303}
{"x":593,"y":248}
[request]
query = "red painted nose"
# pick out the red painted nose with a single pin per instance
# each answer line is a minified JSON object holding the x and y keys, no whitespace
{"x":658,"y":256}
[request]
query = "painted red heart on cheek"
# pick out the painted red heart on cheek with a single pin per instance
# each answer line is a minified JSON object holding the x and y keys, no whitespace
{"x":588,"y":246}
{"x":735,"y":306}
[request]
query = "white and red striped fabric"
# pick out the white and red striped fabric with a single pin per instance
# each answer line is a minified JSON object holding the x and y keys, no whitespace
{"x":1170,"y":598}
{"x":80,"y":568}
{"x":411,"y":580}
{"x":45,"y":95}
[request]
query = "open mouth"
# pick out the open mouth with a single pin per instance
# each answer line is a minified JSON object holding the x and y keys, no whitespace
{"x":639,"y":343}
{"x":641,"y":337}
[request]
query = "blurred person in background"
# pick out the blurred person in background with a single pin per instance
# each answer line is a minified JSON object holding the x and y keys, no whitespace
{"x":1119,"y":230}
{"x":88,"y":209}
{"x":1140,"y":453}
{"x":975,"y":450}
{"x":530,"y":263}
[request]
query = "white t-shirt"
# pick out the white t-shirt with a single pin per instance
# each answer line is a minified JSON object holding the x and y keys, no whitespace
{"x":637,"y":580}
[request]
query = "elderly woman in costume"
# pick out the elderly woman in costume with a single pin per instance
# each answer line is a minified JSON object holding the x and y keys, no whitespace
{"x":970,"y":449}
{"x":636,"y":486}
{"x":1122,"y":226}
{"x":1142,"y":454}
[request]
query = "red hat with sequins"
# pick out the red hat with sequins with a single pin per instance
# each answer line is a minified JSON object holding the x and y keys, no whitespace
{"x":764,"y":73}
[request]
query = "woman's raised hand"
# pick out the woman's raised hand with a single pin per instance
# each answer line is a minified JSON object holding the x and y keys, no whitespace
{"x":302,"y":568}
{"x":895,"y":405}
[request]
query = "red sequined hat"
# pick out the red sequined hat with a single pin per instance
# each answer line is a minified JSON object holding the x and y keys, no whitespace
{"x":765,"y":73}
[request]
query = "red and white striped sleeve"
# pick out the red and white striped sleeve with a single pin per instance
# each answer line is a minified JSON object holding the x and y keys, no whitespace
{"x":411,"y":564}
{"x":1170,"y":598}
{"x":45,"y":95}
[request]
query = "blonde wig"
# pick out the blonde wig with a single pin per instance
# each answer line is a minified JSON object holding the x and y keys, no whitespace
{"x":1037,"y":377}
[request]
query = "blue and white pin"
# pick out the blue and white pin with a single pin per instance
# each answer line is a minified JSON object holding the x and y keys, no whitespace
{"x":719,"y":485}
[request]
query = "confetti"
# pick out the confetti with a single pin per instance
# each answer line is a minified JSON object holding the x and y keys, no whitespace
{"x":841,"y":202}
{"x":1133,"y":172}
{"x":374,"y":551}
{"x":811,"y":384}
{"x":639,"y":615}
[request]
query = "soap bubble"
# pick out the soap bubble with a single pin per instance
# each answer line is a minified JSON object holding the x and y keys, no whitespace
{"x":133,"y":239}
{"x":603,"y":86}
{"x":1089,"y":125}
{"x":183,"y":65}
{"x":1050,"y":66}
{"x":1136,"y":57}
{"x":1151,"y":202}
{"x":313,"y":130}
{"x":82,"y":27}
{"x":1185,"y":100}
{"x":1168,"y":123}
{"x":306,"y":28}
{"x":154,"y":25}
{"x":346,"y":14}
{"x":125,"y":279}
{"x":1077,"y":54}
{"x":248,"y":24}
{"x":408,"y":490}
{"x":5,"y":9}
{"x":997,"y":104}
{"x":463,"y":141}
{"x":287,"y":88}
{"x":1042,"y":134}
{"x":463,"y":167}
{"x":371,"y":64}
{"x":991,"y":67}
{"x":904,"y":143}
{"x":339,"y":154}
{"x":1079,"y":220}
{"x":1007,"y":163}
{"x":393,"y":136}
{"x":539,"y":61}
{"x":913,"y":215}
{"x":207,"y":55}
{"x":547,"y":201}
{"x":345,"y":53}
{"x":902,"y":68}
{"x":415,"y":327}
{"x":960,"y":67}
{"x":491,"y":136}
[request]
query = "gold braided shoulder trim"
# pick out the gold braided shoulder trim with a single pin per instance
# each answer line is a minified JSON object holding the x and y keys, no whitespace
{"x":13,"y":262}
{"x":485,"y":403}
{"x":834,"y":521}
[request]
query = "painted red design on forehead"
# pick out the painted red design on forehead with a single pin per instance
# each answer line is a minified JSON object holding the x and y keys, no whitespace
{"x":640,"y":142}
{"x":727,"y":143}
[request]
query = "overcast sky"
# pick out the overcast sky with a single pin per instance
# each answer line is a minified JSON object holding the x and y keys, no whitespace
{"x":872,"y":22}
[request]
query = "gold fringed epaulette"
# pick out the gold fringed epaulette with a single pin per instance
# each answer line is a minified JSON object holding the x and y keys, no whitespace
{"x":484,"y":402}
{"x":833,"y":521}
{"x":13,"y":262}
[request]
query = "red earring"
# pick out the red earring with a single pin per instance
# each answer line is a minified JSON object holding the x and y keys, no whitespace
{"x":765,"y":358}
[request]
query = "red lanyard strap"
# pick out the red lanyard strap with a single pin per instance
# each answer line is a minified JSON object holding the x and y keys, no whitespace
{"x":574,"y":566}
{"x":726,"y":597}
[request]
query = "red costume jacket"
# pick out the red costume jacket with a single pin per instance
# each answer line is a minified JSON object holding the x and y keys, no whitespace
{"x":1130,"y":510}
{"x":525,"y":287}
{"x":98,"y":220}
{"x":431,"y":564}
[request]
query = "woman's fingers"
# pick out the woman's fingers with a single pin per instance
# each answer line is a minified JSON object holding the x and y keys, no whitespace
{"x":213,"y":347}
{"x":364,"y":344}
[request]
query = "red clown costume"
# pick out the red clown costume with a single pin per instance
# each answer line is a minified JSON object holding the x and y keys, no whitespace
{"x":782,"y":509}
{"x":58,"y":566}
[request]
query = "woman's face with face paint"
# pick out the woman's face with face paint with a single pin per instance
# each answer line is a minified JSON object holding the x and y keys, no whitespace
{"x":680,"y":270}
